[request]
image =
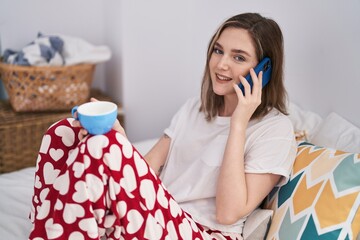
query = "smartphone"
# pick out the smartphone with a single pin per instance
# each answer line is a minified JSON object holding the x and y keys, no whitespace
{"x":264,"y":66}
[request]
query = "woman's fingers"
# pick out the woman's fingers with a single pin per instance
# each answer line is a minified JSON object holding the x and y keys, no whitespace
{"x":246,"y":84}
{"x":255,"y":89}
{"x":83,"y":132}
{"x":257,"y":84}
{"x":76,"y":123}
{"x":238,"y":91}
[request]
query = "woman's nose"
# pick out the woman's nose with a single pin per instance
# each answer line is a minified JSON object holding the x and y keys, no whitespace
{"x":223,"y":63}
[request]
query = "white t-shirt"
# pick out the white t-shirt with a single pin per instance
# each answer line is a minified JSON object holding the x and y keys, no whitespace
{"x":196,"y":153}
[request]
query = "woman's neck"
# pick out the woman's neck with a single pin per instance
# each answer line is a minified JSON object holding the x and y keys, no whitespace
{"x":230,"y":104}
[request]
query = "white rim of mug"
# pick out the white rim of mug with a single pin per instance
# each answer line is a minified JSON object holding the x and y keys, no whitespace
{"x":114,"y":108}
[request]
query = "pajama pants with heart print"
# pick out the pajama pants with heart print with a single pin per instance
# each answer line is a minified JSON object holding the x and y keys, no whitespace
{"x":102,"y":188}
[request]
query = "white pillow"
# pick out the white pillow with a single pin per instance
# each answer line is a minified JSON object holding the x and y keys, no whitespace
{"x":304,"y":120}
{"x":336,"y":132}
{"x":257,"y":224}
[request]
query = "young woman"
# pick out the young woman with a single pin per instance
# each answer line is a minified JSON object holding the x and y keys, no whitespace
{"x":223,"y":152}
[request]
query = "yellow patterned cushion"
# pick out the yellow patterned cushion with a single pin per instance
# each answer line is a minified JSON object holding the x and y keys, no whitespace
{"x":321,"y":199}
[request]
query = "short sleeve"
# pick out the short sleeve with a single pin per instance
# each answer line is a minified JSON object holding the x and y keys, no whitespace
{"x":273,"y":151}
{"x":180,"y":117}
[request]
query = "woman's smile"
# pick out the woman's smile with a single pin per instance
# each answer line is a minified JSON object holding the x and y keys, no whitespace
{"x":222,"y":78}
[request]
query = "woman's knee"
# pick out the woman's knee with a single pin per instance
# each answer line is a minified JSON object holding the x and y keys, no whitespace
{"x":63,"y":133}
{"x":62,"y":122}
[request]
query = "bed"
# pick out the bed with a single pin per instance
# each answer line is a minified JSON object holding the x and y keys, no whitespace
{"x":325,"y":177}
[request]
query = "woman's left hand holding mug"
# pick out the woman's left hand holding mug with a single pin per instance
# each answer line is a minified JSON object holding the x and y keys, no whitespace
{"x":83,"y":132}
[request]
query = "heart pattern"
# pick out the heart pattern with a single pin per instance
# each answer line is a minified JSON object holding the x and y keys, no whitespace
{"x":117,"y":232}
{"x":159,"y":216}
{"x":67,"y":135}
{"x":97,"y":187}
{"x":53,"y":230}
{"x":101,"y":187}
{"x":147,"y":192}
{"x":59,"y":205}
{"x":43,"y":194}
{"x":62,"y":183}
{"x":128,"y":182}
{"x":121,"y":207}
{"x":175,"y":209}
{"x":73,"y":154}
{"x":170,"y":227}
{"x":127,"y":147}
{"x":135,"y":221}
{"x":50,"y":174}
{"x":80,"y":193}
{"x":140,"y":164}
{"x":161,"y":199}
{"x":37,"y":183}
{"x":99,"y":215}
{"x":43,"y":210}
{"x":109,"y":221}
{"x":72,"y":211}
{"x":56,"y":154}
{"x":45,"y":143}
{"x":89,"y":225}
{"x":114,"y":189}
{"x":156,"y":231}
{"x":113,"y":158}
{"x":76,"y":236}
{"x":78,"y":169}
{"x":185,"y":229}
{"x":87,"y":161}
{"x":96,"y":144}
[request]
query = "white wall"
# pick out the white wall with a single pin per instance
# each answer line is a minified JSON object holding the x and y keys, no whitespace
{"x":113,"y":38}
{"x":159,"y":49}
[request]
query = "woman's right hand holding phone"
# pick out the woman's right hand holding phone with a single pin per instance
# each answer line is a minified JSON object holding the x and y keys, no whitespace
{"x":248,"y":102}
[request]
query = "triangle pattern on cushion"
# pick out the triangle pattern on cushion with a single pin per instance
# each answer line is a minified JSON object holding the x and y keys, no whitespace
{"x":286,"y":191}
{"x":304,"y":195}
{"x":305,"y":157}
{"x":288,"y":229}
{"x":331,"y":210}
{"x":323,"y":165}
{"x":347,"y":174}
{"x":310,"y":232}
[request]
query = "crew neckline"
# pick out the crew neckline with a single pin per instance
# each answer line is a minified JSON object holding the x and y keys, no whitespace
{"x":222,"y":120}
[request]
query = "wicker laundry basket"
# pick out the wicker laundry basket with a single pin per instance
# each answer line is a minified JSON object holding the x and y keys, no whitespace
{"x":46,"y":88}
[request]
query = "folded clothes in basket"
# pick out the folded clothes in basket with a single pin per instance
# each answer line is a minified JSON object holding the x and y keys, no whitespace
{"x":44,"y":50}
{"x":57,"y":50}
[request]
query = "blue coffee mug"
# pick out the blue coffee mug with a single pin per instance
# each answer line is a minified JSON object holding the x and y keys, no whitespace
{"x":96,"y":117}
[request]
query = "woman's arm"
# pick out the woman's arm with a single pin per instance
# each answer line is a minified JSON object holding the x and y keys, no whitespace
{"x":238,"y":193}
{"x":156,"y":157}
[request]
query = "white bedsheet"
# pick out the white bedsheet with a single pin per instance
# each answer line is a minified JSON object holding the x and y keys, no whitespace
{"x":15,"y":202}
{"x":15,"y":199}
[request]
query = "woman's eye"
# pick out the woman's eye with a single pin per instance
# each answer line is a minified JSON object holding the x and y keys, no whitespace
{"x":239,"y":58}
{"x":217,"y":51}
